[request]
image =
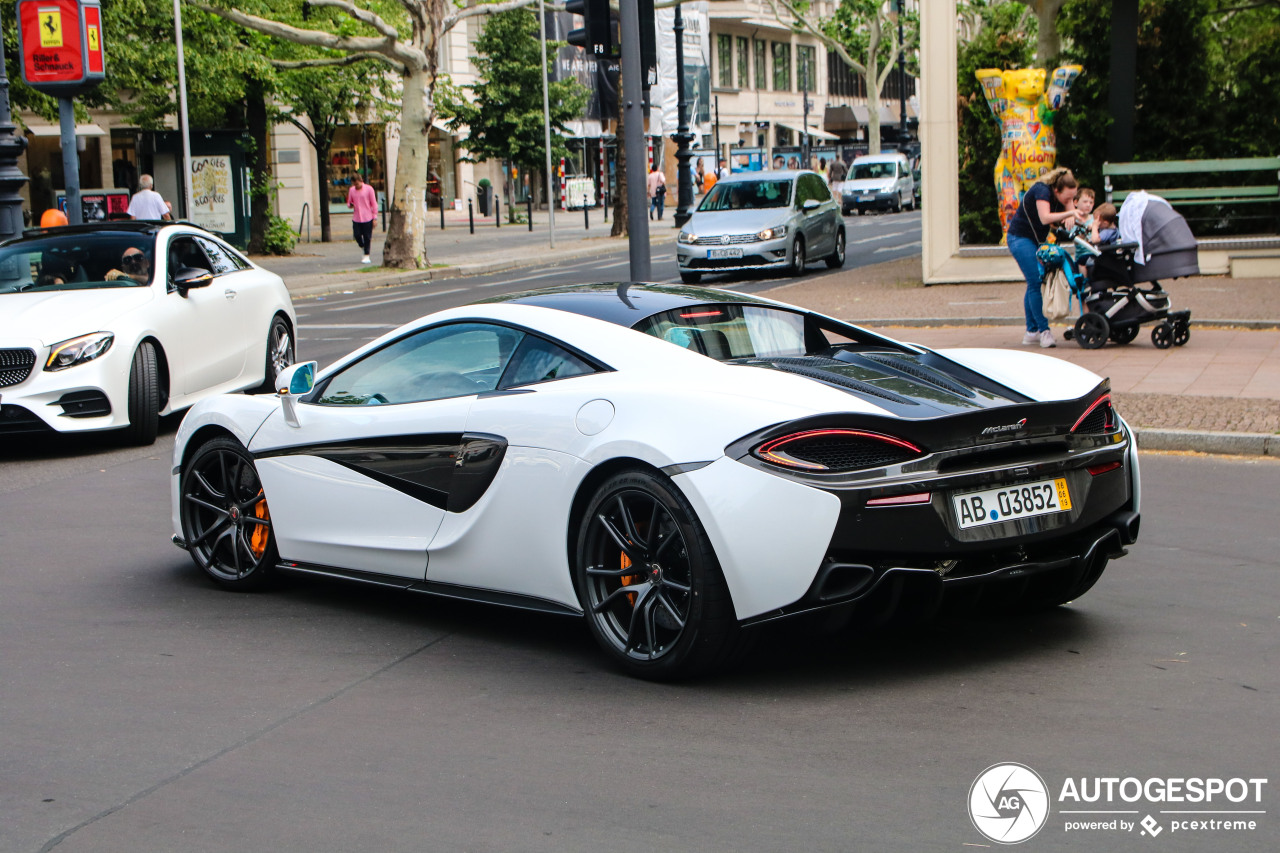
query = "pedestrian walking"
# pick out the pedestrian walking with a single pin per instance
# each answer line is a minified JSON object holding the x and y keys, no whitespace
{"x":657,"y":185}
{"x":363,"y":202}
{"x":147,"y":203}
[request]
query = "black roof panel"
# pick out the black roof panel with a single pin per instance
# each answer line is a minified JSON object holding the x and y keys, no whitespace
{"x":625,"y":303}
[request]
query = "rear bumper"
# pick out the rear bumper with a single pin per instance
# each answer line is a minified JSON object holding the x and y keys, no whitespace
{"x":868,"y":200}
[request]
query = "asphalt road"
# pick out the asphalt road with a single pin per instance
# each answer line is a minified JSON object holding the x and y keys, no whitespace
{"x":145,"y":710}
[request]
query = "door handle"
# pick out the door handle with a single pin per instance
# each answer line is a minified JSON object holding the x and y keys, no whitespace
{"x":229,"y":293}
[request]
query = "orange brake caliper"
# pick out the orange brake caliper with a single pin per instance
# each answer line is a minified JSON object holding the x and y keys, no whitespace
{"x":261,"y":532}
{"x":626,"y":579}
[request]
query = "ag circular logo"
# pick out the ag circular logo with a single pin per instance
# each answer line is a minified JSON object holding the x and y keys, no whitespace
{"x":1008,"y":803}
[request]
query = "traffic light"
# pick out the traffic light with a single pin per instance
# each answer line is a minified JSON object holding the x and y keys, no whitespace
{"x":594,"y":37}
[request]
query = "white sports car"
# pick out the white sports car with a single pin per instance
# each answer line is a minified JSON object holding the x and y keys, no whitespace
{"x":676,"y":464}
{"x":109,"y":326}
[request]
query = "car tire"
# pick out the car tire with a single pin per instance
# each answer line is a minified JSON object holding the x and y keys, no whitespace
{"x":144,"y":396}
{"x":226,"y":525}
{"x":690,"y":277}
{"x":835,"y":260}
{"x":897,"y":203}
{"x":845,"y":211}
{"x":640,"y":533}
{"x":280,"y":354}
{"x":798,"y":259}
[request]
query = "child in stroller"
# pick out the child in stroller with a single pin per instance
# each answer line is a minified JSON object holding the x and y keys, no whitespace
{"x":1113,"y":305}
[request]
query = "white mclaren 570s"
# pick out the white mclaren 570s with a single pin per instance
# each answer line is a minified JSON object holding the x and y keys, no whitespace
{"x":676,"y":464}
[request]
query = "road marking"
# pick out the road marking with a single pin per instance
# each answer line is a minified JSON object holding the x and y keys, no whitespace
{"x":352,"y":306}
{"x":346,"y":325}
{"x":895,"y":248}
{"x":880,"y":237}
{"x":611,"y":266}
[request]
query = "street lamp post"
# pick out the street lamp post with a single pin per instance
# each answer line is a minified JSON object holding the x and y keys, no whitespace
{"x":11,"y":147}
{"x":684,"y":179}
{"x":902,"y":81}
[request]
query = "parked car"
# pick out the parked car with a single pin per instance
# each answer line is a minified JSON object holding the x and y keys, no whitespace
{"x":673,"y":464}
{"x":754,"y":220}
{"x":110,"y":326}
{"x":878,"y":182}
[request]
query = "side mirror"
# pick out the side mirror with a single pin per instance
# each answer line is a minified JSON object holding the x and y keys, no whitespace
{"x":810,"y":204}
{"x":185,"y":278}
{"x":294,"y":381}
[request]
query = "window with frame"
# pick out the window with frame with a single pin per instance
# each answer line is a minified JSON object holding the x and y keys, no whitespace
{"x":724,"y":60}
{"x":453,"y":360}
{"x":806,"y":68}
{"x":781,"y":67}
{"x":744,"y":62}
{"x":762,"y":72}
{"x":539,"y":360}
{"x":220,"y":259}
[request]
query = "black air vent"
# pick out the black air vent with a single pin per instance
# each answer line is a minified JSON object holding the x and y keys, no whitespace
{"x":924,"y":374}
{"x":836,"y":451}
{"x":803,"y":368}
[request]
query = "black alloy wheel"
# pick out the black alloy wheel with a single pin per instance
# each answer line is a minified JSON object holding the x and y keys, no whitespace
{"x":835,"y":260}
{"x":144,"y":396}
{"x":1092,"y":330}
{"x":1124,"y":334}
{"x":798,"y":260}
{"x":280,"y":354}
{"x":1162,"y":334}
{"x":225,"y":521}
{"x":650,"y":586}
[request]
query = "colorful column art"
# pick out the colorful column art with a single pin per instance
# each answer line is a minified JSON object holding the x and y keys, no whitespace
{"x":1025,"y":110}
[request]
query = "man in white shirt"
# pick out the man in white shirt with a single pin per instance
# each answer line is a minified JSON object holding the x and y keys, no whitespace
{"x":147,"y":203}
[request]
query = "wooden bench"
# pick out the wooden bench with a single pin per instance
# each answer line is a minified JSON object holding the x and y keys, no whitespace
{"x":1266,"y":192}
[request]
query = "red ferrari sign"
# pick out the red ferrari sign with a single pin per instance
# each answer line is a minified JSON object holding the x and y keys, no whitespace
{"x":61,"y":42}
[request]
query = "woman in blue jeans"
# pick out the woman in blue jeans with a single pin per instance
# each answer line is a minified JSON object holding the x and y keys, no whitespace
{"x":1050,"y":201}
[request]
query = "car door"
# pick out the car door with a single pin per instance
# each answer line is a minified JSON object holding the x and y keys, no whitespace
{"x":364,"y":480}
{"x":212,"y":335}
{"x":829,"y":213}
{"x":817,"y":225}
{"x":242,"y":287}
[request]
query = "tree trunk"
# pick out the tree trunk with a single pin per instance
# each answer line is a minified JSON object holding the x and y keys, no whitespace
{"x":324,"y":145}
{"x":407,"y":229}
{"x":1048,"y":43}
{"x":873,"y":88}
{"x":259,"y":166}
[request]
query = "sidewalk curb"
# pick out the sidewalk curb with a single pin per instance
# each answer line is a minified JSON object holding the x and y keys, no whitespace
{"x":1229,"y":443}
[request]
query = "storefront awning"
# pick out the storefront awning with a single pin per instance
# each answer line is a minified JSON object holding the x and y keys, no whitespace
{"x":889,"y":114}
{"x":813,"y":131}
{"x":840,"y":117}
{"x":55,"y":130}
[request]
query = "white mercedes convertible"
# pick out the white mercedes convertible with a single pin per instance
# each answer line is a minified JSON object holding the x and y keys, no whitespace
{"x":677,"y":465}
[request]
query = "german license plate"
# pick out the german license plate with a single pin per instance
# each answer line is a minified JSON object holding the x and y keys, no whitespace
{"x":721,"y":254}
{"x":866,"y":198}
{"x":974,"y":509}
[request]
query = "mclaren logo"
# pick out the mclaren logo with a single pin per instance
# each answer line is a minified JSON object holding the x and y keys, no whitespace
{"x":995,"y":430}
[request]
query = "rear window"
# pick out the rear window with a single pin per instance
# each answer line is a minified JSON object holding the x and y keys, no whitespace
{"x":726,"y":332}
{"x":747,"y":195}
{"x":77,"y":261}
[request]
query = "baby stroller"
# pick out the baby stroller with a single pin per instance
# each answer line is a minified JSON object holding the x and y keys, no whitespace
{"x":1114,"y":305}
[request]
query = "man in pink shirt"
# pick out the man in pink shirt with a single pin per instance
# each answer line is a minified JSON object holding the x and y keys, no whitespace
{"x":363,"y":202}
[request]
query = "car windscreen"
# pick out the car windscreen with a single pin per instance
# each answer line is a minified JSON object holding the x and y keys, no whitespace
{"x":726,"y":332}
{"x":747,"y":195}
{"x":80,"y":261}
{"x":862,"y":171}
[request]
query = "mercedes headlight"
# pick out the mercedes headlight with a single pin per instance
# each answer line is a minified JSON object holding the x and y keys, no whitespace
{"x":75,"y":351}
{"x":772,"y":233}
{"x":687,"y":237}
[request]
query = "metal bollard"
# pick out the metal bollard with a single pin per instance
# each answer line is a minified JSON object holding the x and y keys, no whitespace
{"x":586,"y":213}
{"x":606,"y":204}
{"x":497,"y":213}
{"x":528,"y":203}
{"x":442,"y":213}
{"x":471,"y":217}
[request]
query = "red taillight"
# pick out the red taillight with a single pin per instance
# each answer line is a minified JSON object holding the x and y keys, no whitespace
{"x":902,"y":500}
{"x":836,"y":450}
{"x":1103,"y":416}
{"x":1095,"y":470}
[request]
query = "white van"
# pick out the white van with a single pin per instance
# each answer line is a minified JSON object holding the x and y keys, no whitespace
{"x":878,"y":182}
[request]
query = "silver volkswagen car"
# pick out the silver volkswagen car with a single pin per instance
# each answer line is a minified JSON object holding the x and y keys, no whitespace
{"x":762,"y":220}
